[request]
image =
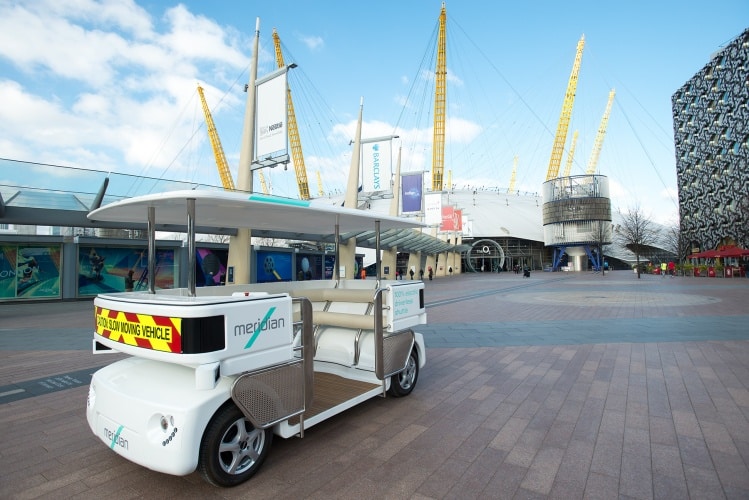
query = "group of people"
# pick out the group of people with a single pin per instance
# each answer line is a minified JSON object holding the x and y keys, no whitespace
{"x":412,"y":272}
{"x":669,"y":268}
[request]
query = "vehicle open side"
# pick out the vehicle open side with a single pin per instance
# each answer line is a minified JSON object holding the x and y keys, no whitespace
{"x":215,"y":372}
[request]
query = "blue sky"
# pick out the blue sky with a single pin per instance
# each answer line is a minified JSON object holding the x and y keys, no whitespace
{"x":110,"y":85}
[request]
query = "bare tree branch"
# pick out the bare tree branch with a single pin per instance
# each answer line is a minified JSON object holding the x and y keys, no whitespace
{"x":637,"y":233}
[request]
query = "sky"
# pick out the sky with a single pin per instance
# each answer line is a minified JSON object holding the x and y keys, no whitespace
{"x":111,"y":85}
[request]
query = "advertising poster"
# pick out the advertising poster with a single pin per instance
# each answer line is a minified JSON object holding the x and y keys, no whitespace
{"x":433,"y":209}
{"x":105,"y":269}
{"x":8,"y":271}
{"x":273,"y":266}
{"x":458,"y":220}
{"x":376,"y":165}
{"x":210,"y":266}
{"x":271,"y":133}
{"x":329,"y":266}
{"x":452,"y":219}
{"x":29,"y":272}
{"x":309,"y":266}
{"x":411,"y":187}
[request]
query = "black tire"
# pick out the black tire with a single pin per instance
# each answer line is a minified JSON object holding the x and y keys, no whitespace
{"x":402,"y":383}
{"x":232,"y":449}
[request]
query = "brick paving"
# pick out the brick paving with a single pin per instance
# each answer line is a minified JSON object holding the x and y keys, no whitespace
{"x":557,"y":386}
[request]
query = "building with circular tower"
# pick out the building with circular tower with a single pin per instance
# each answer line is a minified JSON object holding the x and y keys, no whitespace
{"x":576,"y":220}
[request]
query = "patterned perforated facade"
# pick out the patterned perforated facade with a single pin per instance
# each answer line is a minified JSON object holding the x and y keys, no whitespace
{"x":711,"y":130}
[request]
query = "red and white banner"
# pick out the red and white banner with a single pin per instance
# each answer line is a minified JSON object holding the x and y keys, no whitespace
{"x":452,"y":219}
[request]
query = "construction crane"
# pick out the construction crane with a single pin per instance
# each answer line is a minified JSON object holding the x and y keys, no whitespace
{"x":262,"y":182}
{"x":511,"y":189}
{"x":294,"y":141}
{"x":571,"y":155}
{"x":319,"y":185}
{"x":564,"y":120}
{"x":598,"y":144}
{"x":218,"y":151}
{"x":440,"y":101}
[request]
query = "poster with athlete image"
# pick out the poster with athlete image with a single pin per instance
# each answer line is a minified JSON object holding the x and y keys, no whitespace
{"x":29,"y":272}
{"x":105,"y":269}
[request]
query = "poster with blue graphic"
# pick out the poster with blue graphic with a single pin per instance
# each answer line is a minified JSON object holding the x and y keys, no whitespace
{"x":273,"y":266}
{"x":329,"y":266}
{"x":411,"y":187}
{"x":309,"y":266}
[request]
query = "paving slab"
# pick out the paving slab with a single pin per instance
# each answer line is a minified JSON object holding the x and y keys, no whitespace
{"x":564,"y":385}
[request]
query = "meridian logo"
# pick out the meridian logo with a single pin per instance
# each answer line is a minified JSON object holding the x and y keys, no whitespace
{"x":254,"y":328}
{"x":115,"y":439}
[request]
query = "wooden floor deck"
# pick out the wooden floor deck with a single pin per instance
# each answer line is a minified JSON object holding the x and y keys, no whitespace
{"x":332,"y":390}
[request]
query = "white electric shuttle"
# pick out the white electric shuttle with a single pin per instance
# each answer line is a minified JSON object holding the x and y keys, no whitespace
{"x":214,"y":373}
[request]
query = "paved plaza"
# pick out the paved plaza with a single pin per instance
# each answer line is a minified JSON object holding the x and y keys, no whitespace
{"x":561,"y":385}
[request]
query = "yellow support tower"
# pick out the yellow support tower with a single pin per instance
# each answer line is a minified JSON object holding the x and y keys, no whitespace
{"x":294,"y":141}
{"x":511,"y":189}
{"x":440,"y":100}
{"x":598,"y":144}
{"x":262,"y":182}
{"x":319,"y":185}
{"x":218,"y":150}
{"x":564,"y":120}
{"x":571,"y":155}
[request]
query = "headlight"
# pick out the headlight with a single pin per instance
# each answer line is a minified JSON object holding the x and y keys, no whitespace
{"x":162,"y":429}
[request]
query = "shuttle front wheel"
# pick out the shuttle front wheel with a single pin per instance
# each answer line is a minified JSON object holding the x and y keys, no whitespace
{"x":232,"y":449}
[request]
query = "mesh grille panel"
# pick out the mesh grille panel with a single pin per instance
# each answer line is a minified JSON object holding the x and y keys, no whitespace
{"x":396,"y":349}
{"x":272,"y":395}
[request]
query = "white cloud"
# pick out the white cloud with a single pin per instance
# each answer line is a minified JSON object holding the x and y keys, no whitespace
{"x":312,"y":42}
{"x":106,"y":88}
{"x":124,"y":15}
{"x":197,"y":37}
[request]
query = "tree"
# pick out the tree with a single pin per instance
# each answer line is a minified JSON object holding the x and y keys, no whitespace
{"x":636,"y":233}
{"x":677,"y":242}
{"x":601,"y":234}
{"x":217,"y":238}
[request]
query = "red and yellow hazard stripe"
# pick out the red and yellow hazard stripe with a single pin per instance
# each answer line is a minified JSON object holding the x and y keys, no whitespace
{"x":158,"y":333}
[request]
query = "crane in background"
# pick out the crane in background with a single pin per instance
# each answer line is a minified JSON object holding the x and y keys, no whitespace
{"x":571,"y":155}
{"x":440,"y":100}
{"x":511,"y":189}
{"x":320,"y":190}
{"x":564,"y":120}
{"x":598,"y":144}
{"x":218,"y":151}
{"x":294,"y":140}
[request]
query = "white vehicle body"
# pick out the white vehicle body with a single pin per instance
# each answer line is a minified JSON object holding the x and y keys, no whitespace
{"x":287,"y":355}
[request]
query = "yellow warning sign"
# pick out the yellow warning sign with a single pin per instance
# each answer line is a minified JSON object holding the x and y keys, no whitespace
{"x":159,"y":333}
